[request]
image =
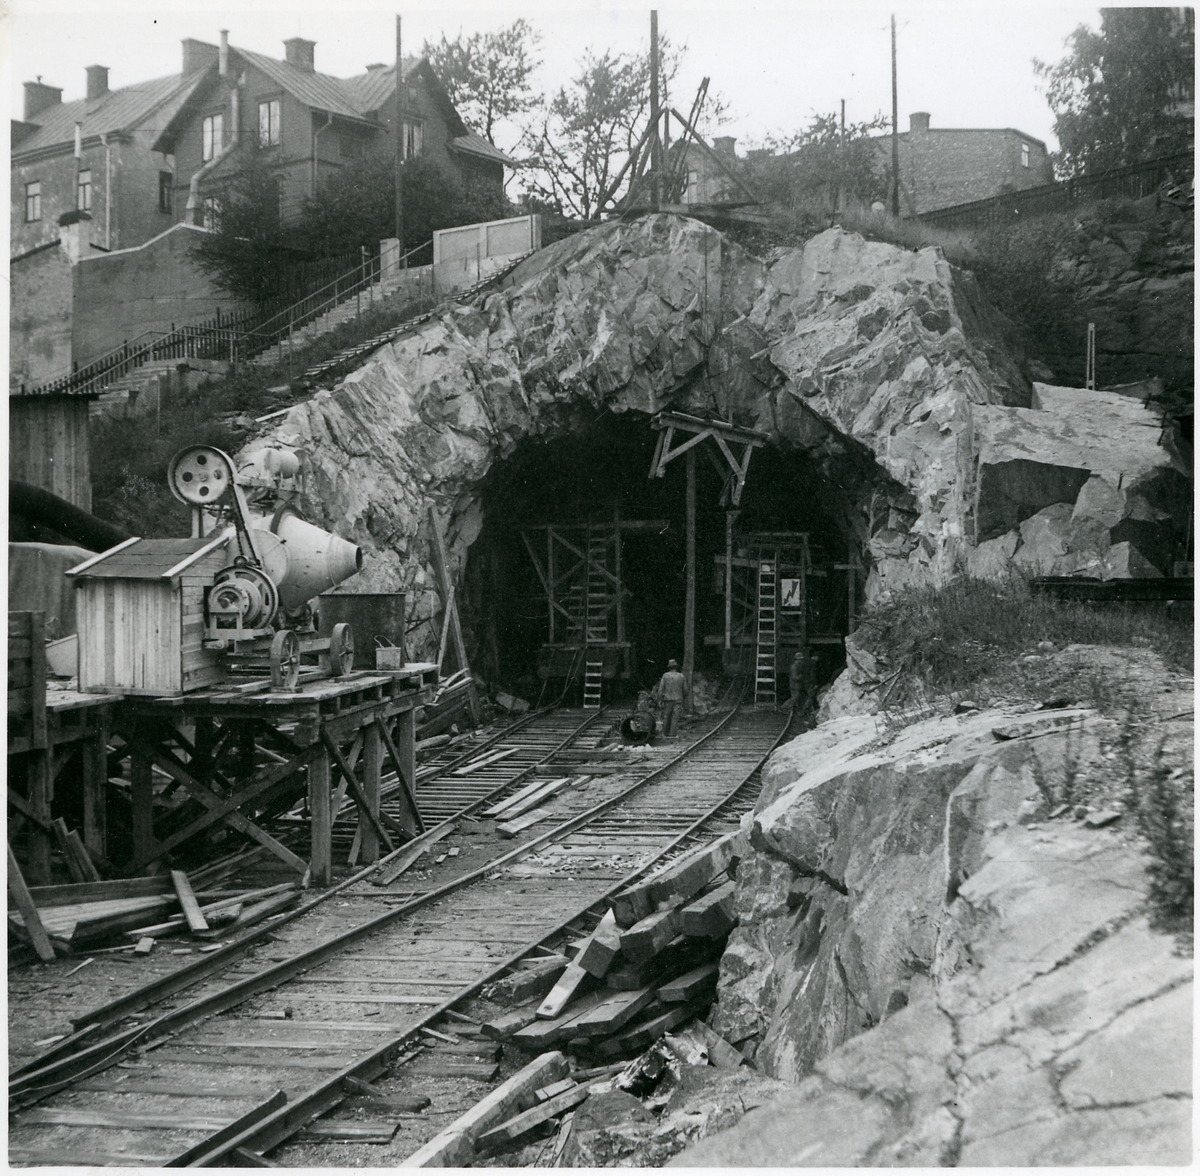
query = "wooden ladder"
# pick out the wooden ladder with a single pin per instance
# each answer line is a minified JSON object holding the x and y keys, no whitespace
{"x":764,"y":669}
{"x":597,"y":620}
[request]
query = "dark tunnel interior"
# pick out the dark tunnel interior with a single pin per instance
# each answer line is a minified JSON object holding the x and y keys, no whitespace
{"x":602,"y":468}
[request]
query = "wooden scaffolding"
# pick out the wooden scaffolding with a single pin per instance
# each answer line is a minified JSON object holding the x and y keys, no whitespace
{"x":579,"y":566}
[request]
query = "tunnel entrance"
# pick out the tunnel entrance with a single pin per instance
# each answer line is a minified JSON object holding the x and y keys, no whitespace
{"x":544,"y":504}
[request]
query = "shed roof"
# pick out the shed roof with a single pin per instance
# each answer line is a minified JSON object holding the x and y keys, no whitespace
{"x":473,"y":144}
{"x":145,"y":559}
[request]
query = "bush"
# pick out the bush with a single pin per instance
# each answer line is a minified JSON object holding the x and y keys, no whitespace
{"x":968,"y":638}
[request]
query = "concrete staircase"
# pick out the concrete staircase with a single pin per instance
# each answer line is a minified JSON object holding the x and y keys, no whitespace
{"x":406,"y":282}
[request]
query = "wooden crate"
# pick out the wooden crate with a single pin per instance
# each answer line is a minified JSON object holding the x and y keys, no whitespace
{"x":140,"y":610}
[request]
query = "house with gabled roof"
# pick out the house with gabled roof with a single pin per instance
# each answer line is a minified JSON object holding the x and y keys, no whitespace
{"x":95,"y":155}
{"x":311,"y":124}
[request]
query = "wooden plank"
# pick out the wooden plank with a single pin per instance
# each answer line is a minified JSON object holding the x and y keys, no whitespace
{"x":86,"y":866}
{"x":453,"y":1068}
{"x":513,"y":1129}
{"x":647,"y":937}
{"x":509,"y":829}
{"x":526,"y":983}
{"x":601,"y":947}
{"x":129,"y":1121}
{"x":33,"y":925}
{"x":610,"y":1014}
{"x":410,"y":855}
{"x":487,"y":761}
{"x":82,"y":1157}
{"x":690,"y":984}
{"x":455,"y":1144}
{"x":573,"y":982}
{"x":710,"y":916}
{"x":347,"y":1130}
{"x":676,"y":884}
{"x":503,"y":1027}
{"x":542,"y":1034}
{"x":679,"y":956}
{"x":187,"y":902}
{"x":645,"y":1033}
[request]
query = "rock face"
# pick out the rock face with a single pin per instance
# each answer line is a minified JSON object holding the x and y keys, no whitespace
{"x":1082,"y":483}
{"x":876,"y":364}
{"x":948,"y":975}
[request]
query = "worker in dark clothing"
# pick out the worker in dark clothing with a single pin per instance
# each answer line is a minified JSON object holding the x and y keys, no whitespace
{"x":802,"y":680}
{"x":669,"y":694}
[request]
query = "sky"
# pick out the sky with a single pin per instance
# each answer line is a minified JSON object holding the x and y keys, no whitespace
{"x":774,"y":63}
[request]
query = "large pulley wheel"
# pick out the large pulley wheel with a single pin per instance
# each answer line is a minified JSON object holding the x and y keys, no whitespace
{"x":341,"y":650}
{"x":200,"y":474}
{"x":285,"y":660}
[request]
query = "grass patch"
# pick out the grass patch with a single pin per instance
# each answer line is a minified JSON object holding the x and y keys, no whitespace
{"x":969,"y":639}
{"x":129,"y":456}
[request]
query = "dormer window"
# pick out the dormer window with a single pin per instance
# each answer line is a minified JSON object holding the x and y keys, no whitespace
{"x":268,"y":123}
{"x":1024,"y":154}
{"x":411,"y":135}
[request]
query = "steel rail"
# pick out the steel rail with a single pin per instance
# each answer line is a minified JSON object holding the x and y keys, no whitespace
{"x":268,"y":1131}
{"x":74,"y":1064}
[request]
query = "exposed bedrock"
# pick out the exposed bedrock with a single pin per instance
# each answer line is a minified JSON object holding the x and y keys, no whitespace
{"x":945,"y":973}
{"x":881,"y":366}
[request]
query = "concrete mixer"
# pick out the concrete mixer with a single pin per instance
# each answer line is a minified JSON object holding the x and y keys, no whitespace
{"x":165,"y":616}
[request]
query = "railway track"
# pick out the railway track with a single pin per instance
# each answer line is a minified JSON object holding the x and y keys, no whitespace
{"x":280,"y":1033}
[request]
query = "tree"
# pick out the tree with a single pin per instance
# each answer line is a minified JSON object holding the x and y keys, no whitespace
{"x":577,"y":143}
{"x":487,"y":74}
{"x":243,"y":252}
{"x":821,"y":167}
{"x":1117,"y":95}
{"x":357,"y":206}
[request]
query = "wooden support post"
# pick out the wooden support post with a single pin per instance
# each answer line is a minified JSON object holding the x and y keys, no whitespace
{"x":689,"y":605}
{"x":730,"y":515}
{"x":321,"y":862}
{"x":550,"y":585}
{"x":142,"y":795}
{"x":95,"y":787}
{"x":23,"y":899}
{"x":404,"y":758}
{"x":372,"y":757}
{"x":41,"y":794}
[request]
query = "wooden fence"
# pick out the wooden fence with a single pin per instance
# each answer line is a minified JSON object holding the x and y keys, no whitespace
{"x":1131,"y":183}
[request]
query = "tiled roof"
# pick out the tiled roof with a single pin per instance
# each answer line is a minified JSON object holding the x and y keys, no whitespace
{"x":473,"y":144}
{"x":317,"y":90}
{"x":118,"y":110}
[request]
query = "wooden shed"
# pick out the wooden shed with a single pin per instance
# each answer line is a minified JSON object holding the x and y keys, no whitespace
{"x":140,"y":610}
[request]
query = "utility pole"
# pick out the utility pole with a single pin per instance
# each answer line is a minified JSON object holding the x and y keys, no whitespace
{"x":655,"y":150}
{"x":399,"y":142}
{"x":839,"y":195}
{"x":689,"y":598}
{"x":895,"y":130}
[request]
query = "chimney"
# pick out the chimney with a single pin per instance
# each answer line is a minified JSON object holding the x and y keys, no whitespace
{"x":198,"y":55}
{"x":39,"y":97}
{"x":223,"y":54}
{"x":375,"y":65}
{"x":724,"y":146}
{"x":97,"y":81}
{"x":919,"y":121}
{"x":74,"y":234}
{"x":299,"y":53}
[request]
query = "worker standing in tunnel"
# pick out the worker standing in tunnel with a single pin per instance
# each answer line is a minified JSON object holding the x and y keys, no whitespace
{"x":802,"y":680}
{"x":669,"y":694}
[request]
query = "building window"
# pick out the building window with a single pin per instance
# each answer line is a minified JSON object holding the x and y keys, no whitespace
{"x":33,"y":201}
{"x":211,"y":211}
{"x":83,"y":190}
{"x":350,"y":146}
{"x":268,"y":123}
{"x":411,"y":133}
{"x":212,"y":136}
{"x":166,"y":191}
{"x":1024,"y":154}
{"x":693,"y":186}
